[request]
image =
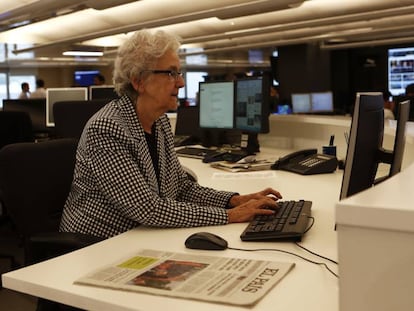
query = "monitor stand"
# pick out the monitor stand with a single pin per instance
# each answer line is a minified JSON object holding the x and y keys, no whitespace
{"x":250,"y":143}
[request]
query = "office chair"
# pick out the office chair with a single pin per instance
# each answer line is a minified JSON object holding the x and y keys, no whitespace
{"x":70,"y":117}
{"x":15,"y":126}
{"x":35,"y":180}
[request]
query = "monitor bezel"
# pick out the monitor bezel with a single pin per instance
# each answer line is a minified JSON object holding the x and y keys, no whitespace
{"x":49,"y":105}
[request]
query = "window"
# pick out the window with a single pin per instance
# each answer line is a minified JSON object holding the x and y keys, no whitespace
{"x":192,"y":80}
{"x":16,"y":81}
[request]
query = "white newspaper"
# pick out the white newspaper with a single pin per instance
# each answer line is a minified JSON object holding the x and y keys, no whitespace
{"x":216,"y":279}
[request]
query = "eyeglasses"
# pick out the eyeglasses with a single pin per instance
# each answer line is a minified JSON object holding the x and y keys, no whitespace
{"x":172,"y":73}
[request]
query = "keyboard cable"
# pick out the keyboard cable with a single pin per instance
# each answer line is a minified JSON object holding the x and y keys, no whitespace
{"x":294,"y":254}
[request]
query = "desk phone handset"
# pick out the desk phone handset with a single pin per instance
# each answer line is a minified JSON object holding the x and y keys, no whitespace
{"x":306,"y":162}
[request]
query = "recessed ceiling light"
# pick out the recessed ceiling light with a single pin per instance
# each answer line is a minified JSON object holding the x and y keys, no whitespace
{"x":83,"y":53}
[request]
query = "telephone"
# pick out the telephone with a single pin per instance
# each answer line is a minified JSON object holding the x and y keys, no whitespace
{"x":306,"y":162}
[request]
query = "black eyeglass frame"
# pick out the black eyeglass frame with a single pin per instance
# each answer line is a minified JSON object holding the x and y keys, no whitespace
{"x":172,"y":73}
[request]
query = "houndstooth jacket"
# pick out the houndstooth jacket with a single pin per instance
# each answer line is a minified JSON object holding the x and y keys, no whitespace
{"x":115,"y":187}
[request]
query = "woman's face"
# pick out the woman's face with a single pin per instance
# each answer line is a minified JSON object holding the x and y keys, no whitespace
{"x":161,"y":89}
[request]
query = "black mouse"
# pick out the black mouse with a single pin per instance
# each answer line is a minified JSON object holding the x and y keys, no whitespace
{"x":206,"y":240}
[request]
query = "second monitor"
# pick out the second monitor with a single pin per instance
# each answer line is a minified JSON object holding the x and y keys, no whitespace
{"x":233,"y":108}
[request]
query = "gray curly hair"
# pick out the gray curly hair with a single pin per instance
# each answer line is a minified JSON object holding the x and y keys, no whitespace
{"x":140,"y":52}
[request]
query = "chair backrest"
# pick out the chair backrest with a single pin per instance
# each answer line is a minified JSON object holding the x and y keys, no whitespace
{"x":71,"y":116}
{"x":36,"y":108}
{"x":15,"y":126}
{"x":35,"y":180}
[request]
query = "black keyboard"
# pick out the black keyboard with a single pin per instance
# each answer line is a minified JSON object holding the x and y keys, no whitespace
{"x":194,"y":152}
{"x":289,"y":222}
{"x":183,"y":140}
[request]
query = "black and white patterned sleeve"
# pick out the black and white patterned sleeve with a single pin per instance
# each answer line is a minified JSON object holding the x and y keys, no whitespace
{"x":122,"y":168}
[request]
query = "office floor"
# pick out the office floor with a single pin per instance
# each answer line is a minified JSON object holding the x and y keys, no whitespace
{"x":9,"y":245}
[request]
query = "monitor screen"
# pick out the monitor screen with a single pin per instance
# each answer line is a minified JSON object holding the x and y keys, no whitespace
{"x":301,"y":103}
{"x":365,"y":142}
{"x":102,"y":92}
{"x":322,"y":102}
{"x":400,"y":69}
{"x":216,"y":104}
{"x":85,"y":77}
{"x":54,"y":95}
{"x":36,"y":108}
{"x":251,"y":106}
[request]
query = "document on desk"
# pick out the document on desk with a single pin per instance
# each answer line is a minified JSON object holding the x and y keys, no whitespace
{"x":225,"y":280}
{"x":258,"y":165}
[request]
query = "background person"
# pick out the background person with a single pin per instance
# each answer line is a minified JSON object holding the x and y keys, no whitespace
{"x":25,"y":93}
{"x":127,"y":172}
{"x":40,"y":91}
{"x":99,"y":79}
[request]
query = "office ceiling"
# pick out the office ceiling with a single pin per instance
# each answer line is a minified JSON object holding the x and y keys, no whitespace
{"x":224,"y":29}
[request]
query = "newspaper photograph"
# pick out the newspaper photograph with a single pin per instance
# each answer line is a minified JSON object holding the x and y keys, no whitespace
{"x":227,"y":280}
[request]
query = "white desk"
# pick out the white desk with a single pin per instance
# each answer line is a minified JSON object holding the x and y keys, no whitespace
{"x":306,"y":287}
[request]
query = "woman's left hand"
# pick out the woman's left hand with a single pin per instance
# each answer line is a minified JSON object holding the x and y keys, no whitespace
{"x":237,"y":200}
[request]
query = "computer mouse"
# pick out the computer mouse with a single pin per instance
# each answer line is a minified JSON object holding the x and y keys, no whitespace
{"x":206,"y":241}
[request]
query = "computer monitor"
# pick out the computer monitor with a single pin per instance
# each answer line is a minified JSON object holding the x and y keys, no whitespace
{"x":187,"y":123}
{"x":365,"y":150}
{"x":54,"y":95}
{"x":401,"y":98}
{"x":322,"y":102}
{"x":36,"y":108}
{"x":216,"y":111}
{"x":251,"y":106}
{"x":85,"y":77}
{"x":301,"y":103}
{"x":399,"y":141}
{"x":216,"y":104}
{"x":102,"y":92}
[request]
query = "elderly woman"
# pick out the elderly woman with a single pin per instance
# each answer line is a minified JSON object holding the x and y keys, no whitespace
{"x":127,"y":173}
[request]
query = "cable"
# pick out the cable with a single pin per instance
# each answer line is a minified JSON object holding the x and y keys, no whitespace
{"x":308,"y":250}
{"x":316,"y":254}
{"x":293,"y":254}
{"x":286,"y":252}
{"x":311,"y":225}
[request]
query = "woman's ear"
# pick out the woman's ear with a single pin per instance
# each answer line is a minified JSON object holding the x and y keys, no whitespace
{"x":138,"y":85}
{"x":135,"y":83}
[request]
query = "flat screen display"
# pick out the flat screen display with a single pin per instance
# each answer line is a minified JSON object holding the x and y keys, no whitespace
{"x":301,"y":103}
{"x":400,"y":69}
{"x":251,"y":107}
{"x":216,"y":104}
{"x":102,"y":92}
{"x":85,"y":77}
{"x":54,"y":95}
{"x":322,"y":101}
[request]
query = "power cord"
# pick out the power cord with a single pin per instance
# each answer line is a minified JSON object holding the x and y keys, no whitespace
{"x":293,"y":254}
{"x":287,"y":252}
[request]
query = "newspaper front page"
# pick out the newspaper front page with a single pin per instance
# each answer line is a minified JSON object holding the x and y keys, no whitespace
{"x":227,"y":280}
